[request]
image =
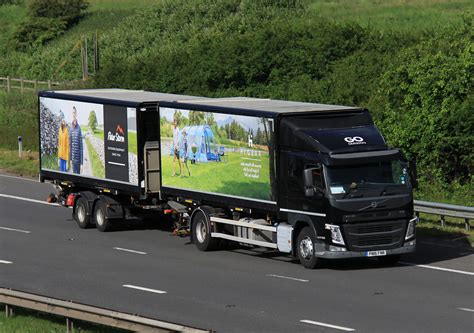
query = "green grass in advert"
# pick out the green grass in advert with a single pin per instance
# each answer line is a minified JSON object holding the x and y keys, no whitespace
{"x":221,"y":177}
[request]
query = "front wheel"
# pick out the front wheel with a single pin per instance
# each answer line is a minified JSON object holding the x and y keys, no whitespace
{"x":202,"y":234}
{"x":306,"y":249}
{"x":100,"y":217}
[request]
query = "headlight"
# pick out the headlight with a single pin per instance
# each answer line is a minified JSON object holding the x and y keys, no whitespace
{"x":411,"y":228}
{"x":336,"y":234}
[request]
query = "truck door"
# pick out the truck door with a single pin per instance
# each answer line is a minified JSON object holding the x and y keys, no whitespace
{"x":152,"y":167}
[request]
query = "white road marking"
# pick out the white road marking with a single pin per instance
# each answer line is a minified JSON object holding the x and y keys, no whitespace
{"x":27,"y":199}
{"x":287,"y":278}
{"x":347,"y":329}
{"x":466,"y":309}
{"x":128,"y":250}
{"x":17,"y":230}
{"x":21,"y":178}
{"x":144,"y":289}
{"x":438,"y":268}
{"x":5,"y":262}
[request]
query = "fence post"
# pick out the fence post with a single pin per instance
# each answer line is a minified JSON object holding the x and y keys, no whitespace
{"x":8,"y":311}
{"x":21,"y":84}
{"x":36,"y":85}
{"x":49,"y":84}
{"x":69,"y":325}
{"x":8,"y":83}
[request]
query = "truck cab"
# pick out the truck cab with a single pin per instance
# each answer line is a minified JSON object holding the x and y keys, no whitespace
{"x":345,"y":184}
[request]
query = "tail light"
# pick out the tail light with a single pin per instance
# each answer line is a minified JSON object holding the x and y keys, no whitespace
{"x":70,"y":200}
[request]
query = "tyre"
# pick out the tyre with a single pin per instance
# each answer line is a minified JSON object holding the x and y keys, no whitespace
{"x":389,"y":260}
{"x":100,"y":217}
{"x":83,"y":220}
{"x":306,"y":250}
{"x":201,"y":233}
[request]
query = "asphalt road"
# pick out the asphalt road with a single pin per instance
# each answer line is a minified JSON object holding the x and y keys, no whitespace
{"x":229,"y":291}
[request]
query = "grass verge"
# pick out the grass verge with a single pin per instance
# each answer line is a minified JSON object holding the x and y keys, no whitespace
{"x":30,"y":321}
{"x":26,"y":166}
{"x":454,"y":230}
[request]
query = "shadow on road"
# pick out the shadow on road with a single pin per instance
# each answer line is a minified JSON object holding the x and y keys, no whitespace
{"x":452,"y":254}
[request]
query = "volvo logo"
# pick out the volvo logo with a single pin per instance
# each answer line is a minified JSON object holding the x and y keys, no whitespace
{"x":354,"y":140}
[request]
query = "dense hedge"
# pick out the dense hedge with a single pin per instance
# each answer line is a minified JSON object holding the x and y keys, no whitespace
{"x":418,"y":86}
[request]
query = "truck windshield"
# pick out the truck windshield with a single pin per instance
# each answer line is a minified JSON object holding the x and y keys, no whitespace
{"x":385,"y":177}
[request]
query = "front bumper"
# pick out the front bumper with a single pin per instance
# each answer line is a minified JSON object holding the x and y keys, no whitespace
{"x":321,"y":251}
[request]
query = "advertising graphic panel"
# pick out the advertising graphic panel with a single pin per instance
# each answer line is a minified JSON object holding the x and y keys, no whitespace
{"x":216,"y":153}
{"x":88,"y":139}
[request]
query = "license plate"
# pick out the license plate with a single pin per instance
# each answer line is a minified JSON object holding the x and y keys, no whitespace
{"x":375,"y":253}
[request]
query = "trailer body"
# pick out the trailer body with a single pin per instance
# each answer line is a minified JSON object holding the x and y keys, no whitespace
{"x":314,"y":180}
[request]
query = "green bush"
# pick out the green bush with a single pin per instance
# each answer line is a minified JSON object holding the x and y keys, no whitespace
{"x":36,"y":32}
{"x":46,"y":20}
{"x":426,"y":105}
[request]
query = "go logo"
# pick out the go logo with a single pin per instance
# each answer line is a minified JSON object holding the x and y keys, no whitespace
{"x":354,"y":140}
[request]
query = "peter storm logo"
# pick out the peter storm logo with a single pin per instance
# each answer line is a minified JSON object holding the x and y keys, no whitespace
{"x":119,"y":135}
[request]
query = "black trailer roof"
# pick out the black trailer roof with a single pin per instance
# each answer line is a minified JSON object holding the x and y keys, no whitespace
{"x":269,"y":107}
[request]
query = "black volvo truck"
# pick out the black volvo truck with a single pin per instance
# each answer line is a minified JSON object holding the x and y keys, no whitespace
{"x":313,"y":180}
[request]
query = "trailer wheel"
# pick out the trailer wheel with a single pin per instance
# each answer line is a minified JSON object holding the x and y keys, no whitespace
{"x":83,"y":220}
{"x":201,"y":233}
{"x":101,"y":221}
{"x":389,"y":260}
{"x":305,"y":249}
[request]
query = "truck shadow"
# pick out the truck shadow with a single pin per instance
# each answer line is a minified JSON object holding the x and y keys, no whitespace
{"x":429,"y":251}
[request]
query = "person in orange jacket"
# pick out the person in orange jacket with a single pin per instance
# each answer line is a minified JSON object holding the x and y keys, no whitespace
{"x":63,"y":146}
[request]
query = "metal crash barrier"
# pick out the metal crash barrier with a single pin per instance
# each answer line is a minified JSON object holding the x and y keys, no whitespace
{"x":443,"y":210}
{"x":71,"y":310}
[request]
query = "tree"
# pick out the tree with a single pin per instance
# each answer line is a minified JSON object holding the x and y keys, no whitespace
{"x":68,"y":11}
{"x":196,"y":118}
{"x":46,"y":20}
{"x":92,"y":121}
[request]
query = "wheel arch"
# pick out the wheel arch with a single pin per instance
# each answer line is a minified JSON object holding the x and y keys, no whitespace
{"x":207,"y":211}
{"x":90,"y":199}
{"x":299,"y":221}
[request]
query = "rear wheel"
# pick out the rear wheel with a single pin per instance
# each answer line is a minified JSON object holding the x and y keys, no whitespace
{"x":83,"y":220}
{"x":201,"y":233}
{"x":100,"y":217}
{"x":306,"y":249}
{"x":389,"y":260}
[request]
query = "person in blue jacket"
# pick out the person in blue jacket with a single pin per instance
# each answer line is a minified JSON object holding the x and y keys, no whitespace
{"x":75,"y":139}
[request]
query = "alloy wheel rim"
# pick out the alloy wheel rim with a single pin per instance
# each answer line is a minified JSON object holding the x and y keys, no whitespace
{"x":201,"y":231}
{"x":100,"y":217}
{"x":81,"y":213}
{"x":306,"y":248}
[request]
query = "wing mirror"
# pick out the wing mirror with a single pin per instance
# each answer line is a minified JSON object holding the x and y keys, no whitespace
{"x":310,"y":176}
{"x":413,"y":173}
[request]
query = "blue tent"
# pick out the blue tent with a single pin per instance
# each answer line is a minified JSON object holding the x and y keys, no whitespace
{"x":201,"y":144}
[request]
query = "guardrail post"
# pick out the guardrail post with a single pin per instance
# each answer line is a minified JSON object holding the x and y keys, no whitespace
{"x":21,"y":84}
{"x":443,"y":221}
{"x":8,"y":83}
{"x":468,"y":226}
{"x":36,"y":85}
{"x":49,"y":84}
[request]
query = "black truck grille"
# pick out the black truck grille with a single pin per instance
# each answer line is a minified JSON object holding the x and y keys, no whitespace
{"x":374,"y":235}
